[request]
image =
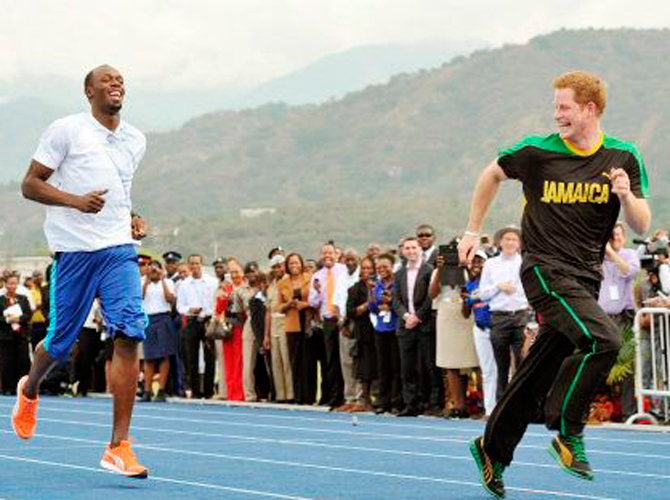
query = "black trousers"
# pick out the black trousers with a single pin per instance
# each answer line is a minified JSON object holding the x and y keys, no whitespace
{"x":193,"y":336}
{"x":88,"y":347}
{"x":623,"y":320}
{"x":506,"y":337}
{"x":389,"y":395}
{"x":414,"y":345}
{"x":296,"y":353}
{"x":14,"y":362}
{"x":331,"y":341}
{"x":576,"y":346}
{"x":433,"y":385}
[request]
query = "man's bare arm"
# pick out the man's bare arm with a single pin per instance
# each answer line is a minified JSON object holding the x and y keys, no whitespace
{"x":636,"y":210}
{"x":637,"y":213}
{"x":35,"y":187}
{"x":484,"y":194}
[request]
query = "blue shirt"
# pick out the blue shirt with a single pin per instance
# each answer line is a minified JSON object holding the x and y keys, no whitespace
{"x":480,"y":309}
{"x":386,"y":321}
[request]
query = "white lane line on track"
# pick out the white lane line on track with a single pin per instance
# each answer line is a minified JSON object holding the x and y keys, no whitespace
{"x":333,"y":431}
{"x":464,"y":426}
{"x":464,"y":458}
{"x":160,"y":479}
{"x":561,"y":494}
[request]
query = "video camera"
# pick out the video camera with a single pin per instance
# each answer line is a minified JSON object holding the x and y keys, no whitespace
{"x":452,"y":273}
{"x":653,"y":248}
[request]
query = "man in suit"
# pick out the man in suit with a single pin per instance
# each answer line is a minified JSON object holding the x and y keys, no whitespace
{"x":431,"y":381}
{"x":413,"y":307}
{"x":425,"y":235}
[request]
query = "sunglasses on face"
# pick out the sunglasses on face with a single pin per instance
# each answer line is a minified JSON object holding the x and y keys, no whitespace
{"x":425,"y":235}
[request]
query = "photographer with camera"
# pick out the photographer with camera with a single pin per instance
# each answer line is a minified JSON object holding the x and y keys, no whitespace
{"x":455,"y":348}
{"x":653,"y":255}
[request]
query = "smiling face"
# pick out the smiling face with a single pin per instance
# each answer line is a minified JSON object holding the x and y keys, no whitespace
{"x":294,"y":265}
{"x":328,"y":255}
{"x":105,"y":89}
{"x":367,"y":269}
{"x":412,"y":251}
{"x":573,"y":120}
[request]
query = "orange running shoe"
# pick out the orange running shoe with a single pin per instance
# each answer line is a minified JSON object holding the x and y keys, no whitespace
{"x":24,"y":415}
{"x":122,"y":460}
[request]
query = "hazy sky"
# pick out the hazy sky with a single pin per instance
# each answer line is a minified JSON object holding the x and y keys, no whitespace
{"x":183,"y":44}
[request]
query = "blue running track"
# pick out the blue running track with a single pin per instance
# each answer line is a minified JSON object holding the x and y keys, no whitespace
{"x":205,"y":452}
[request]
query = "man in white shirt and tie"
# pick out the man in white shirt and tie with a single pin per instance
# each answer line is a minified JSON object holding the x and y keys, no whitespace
{"x":328,"y":294}
{"x":195,"y":300}
{"x":501,"y":287}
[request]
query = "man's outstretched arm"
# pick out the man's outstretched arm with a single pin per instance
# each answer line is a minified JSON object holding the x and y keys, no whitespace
{"x":484,"y":194}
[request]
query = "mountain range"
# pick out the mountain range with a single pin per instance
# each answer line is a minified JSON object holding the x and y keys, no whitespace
{"x":29,"y":104}
{"x":373,"y":164}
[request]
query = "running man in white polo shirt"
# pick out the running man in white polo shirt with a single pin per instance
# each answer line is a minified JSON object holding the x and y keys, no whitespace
{"x":83,"y":170}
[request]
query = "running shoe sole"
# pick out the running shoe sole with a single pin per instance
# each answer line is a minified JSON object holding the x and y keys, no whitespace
{"x":111,"y":467}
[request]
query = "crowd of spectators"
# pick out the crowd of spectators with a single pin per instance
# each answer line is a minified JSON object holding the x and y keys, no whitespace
{"x":404,"y":330}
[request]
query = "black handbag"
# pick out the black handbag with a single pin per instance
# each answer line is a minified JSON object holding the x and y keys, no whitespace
{"x":218,"y":329}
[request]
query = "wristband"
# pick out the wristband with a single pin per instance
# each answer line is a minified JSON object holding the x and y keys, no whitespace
{"x":471,"y":233}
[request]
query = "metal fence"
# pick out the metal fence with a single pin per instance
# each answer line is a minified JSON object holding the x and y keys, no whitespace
{"x":652,"y":365}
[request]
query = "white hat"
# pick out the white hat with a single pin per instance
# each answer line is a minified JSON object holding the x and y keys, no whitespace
{"x":277,"y":259}
{"x":482,"y":254}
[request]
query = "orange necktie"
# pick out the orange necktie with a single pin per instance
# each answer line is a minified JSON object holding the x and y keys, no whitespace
{"x":330,"y":290}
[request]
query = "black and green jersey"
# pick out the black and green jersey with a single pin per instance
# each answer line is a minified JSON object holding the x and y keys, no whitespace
{"x":570,"y":209}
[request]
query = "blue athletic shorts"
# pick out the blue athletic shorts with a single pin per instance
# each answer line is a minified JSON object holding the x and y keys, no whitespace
{"x":77,"y":278}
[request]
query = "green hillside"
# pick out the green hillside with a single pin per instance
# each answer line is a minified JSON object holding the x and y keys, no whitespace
{"x":372,"y":165}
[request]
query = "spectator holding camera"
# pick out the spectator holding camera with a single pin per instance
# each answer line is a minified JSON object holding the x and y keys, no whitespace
{"x":161,"y":341}
{"x":293,"y":292}
{"x":455,"y":349}
{"x":385,"y":322}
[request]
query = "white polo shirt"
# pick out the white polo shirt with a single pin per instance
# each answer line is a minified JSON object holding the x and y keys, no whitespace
{"x":154,"y":301}
{"x":85,"y":156}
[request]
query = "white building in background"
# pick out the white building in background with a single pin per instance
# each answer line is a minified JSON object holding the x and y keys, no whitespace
{"x":25,"y":265}
{"x":251,"y":213}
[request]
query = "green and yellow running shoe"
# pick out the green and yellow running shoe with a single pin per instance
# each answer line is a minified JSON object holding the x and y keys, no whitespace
{"x":570,"y":455}
{"x":490,"y":471}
